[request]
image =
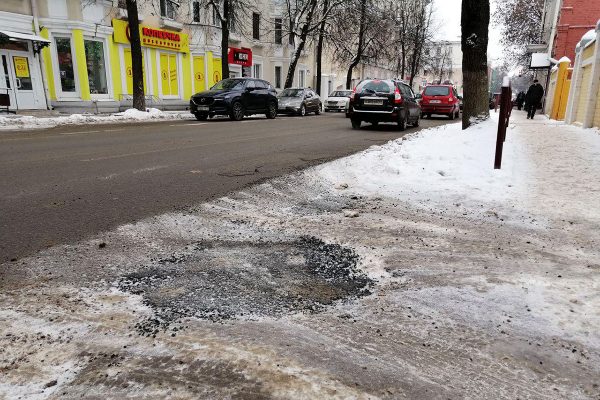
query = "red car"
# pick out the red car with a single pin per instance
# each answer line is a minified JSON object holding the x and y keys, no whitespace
{"x":440,"y":99}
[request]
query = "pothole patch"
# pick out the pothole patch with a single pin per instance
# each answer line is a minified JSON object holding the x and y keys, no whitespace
{"x":221,"y":280}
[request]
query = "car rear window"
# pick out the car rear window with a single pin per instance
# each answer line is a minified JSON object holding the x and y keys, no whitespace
{"x":437,"y":91}
{"x":375,"y":86}
{"x":341,"y":93}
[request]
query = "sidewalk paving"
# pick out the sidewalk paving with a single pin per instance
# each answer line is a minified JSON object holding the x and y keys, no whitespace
{"x":410,"y":270}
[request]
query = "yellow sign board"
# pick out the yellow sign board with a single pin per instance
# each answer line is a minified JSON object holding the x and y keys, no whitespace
{"x":152,"y":37}
{"x":21,"y":67}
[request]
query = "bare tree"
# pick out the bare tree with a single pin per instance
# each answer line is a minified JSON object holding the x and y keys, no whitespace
{"x":520,"y":22}
{"x":229,"y":15}
{"x":139,"y":100}
{"x":360,"y":31}
{"x":319,"y":56}
{"x":305,"y":17}
{"x":474,"y":42}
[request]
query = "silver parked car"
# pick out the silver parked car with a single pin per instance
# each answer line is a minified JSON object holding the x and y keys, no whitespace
{"x":338,"y":101}
{"x":299,"y":101}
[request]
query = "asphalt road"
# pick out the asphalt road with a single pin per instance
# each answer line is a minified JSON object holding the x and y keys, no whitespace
{"x":63,"y":184}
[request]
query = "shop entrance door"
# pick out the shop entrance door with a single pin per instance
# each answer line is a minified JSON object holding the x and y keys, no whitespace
{"x":16,"y":76}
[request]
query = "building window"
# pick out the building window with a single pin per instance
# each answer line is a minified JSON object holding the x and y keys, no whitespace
{"x":278,"y":77}
{"x":257,"y":71}
{"x":256,"y":26}
{"x":96,"y":66}
{"x":65,"y":64}
{"x":278,"y":30}
{"x":196,"y":11}
{"x":168,"y":8}
{"x":215,"y":17}
{"x":302,"y":78}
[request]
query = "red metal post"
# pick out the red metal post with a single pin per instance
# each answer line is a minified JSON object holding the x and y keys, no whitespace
{"x":505,"y":111}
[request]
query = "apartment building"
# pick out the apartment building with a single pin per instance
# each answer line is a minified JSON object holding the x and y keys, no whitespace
{"x":75,"y":55}
{"x":442,"y":64}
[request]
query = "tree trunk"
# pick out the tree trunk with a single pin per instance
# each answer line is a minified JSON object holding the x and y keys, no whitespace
{"x":361,"y":40}
{"x":137,"y":72}
{"x":474,"y":24}
{"x":320,"y":49}
{"x":289,"y":80}
{"x":225,"y":25}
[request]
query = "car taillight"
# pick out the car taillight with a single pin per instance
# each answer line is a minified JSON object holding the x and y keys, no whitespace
{"x":397,"y":97}
{"x":353,"y":94}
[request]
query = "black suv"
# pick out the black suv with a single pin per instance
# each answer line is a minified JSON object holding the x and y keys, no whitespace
{"x":235,"y":97}
{"x":376,"y":101}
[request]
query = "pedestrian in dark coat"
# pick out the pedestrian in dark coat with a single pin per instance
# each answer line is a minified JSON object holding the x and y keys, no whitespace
{"x":533,"y":98}
{"x":520,"y":100}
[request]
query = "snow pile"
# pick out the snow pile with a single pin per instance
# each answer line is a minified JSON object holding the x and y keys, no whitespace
{"x":437,"y":163}
{"x":130,"y":115}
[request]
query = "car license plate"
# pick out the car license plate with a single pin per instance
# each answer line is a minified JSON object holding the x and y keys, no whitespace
{"x":435,"y":101}
{"x":203,"y":108}
{"x":373,"y":102}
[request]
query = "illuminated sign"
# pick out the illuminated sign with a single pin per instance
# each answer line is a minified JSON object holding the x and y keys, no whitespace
{"x":152,"y":37}
{"x":241,"y":56}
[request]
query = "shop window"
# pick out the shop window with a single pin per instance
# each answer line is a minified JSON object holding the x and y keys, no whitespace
{"x":96,"y":66}
{"x":278,"y":77}
{"x":196,"y":11}
{"x":256,"y":26}
{"x":65,"y":64}
{"x":278,"y":30}
{"x":257,"y":70}
{"x":168,"y":8}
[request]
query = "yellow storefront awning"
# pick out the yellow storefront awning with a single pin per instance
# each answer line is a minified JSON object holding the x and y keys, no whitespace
{"x":23,"y":36}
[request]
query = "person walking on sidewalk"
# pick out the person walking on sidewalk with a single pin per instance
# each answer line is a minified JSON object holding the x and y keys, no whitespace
{"x":520,"y":100}
{"x":533,"y":98}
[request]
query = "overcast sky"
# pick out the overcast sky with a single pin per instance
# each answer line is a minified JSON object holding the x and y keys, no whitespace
{"x":447,"y":15}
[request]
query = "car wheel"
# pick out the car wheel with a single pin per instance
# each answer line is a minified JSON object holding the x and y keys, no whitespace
{"x":356,"y":123}
{"x":302,"y":112}
{"x":237,"y":111}
{"x":318,"y":111}
{"x":272,"y":111}
{"x":201,"y":117}
{"x":402,"y":124}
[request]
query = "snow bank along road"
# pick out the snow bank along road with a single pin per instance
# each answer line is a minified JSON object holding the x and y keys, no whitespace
{"x":62,"y":184}
{"x":410,"y":270}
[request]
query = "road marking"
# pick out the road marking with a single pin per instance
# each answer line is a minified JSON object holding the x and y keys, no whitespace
{"x":150,"y":169}
{"x":77,"y":133}
{"x":190,"y":124}
{"x":114,"y":130}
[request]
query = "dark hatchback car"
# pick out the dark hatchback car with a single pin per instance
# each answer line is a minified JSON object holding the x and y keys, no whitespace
{"x":376,"y":101}
{"x":235,"y":97}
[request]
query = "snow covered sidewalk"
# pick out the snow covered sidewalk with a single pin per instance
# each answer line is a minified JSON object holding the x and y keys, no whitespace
{"x":548,"y":168}
{"x":131,"y":115}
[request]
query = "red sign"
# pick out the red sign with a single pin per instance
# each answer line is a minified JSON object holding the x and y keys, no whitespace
{"x":241,"y":56}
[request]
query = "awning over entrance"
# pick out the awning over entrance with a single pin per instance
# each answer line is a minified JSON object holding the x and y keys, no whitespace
{"x":24,"y":36}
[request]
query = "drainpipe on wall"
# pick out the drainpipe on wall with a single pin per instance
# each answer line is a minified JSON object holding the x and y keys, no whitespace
{"x":590,"y":110}
{"x":36,"y":27}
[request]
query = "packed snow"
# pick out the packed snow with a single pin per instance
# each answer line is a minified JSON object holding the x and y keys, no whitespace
{"x":447,"y":165}
{"x":130,"y":115}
